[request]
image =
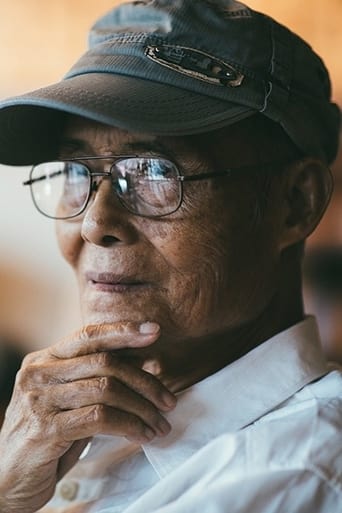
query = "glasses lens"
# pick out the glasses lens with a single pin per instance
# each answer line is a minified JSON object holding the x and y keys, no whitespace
{"x":147,"y":186}
{"x":60,"y":189}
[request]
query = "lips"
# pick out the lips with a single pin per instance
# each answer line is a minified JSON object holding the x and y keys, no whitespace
{"x":110,"y":282}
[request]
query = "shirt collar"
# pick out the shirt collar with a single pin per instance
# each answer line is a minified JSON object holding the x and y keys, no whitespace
{"x":239,"y":394}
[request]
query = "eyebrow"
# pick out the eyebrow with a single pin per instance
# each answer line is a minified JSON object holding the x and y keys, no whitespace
{"x":81,"y":147}
{"x":70,"y":143}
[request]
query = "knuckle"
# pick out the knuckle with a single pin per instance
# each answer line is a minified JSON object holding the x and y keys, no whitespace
{"x":56,"y":431}
{"x":32,"y":399}
{"x":104,"y":384}
{"x":28,"y":359}
{"x":118,"y":328}
{"x":31,"y":373}
{"x":34,"y":357}
{"x":88,"y":332}
{"x":104,"y":360}
{"x":57,"y":428}
{"x":25,"y":375}
{"x":99,"y":414}
{"x":125,"y":327}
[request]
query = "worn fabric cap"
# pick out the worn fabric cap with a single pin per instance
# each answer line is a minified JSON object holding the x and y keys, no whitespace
{"x":177,"y":68}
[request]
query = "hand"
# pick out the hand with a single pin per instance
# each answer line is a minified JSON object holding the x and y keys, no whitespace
{"x":68,"y":393}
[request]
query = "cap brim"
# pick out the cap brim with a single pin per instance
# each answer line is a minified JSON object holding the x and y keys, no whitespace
{"x":30,"y":124}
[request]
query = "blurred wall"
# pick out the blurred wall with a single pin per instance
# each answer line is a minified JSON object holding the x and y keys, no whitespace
{"x":39,"y":41}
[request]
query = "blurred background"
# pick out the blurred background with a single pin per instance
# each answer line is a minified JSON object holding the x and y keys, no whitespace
{"x":39,"y":41}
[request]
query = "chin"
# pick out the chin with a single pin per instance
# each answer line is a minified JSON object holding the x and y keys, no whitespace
{"x":109,"y":308}
{"x":112,"y":317}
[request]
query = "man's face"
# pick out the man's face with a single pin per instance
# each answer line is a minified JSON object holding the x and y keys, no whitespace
{"x":204,"y":269}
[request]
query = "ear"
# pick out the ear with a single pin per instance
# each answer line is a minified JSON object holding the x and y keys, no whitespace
{"x":307,"y":190}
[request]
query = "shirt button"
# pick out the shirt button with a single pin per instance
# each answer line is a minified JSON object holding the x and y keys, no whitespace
{"x":68,"y":490}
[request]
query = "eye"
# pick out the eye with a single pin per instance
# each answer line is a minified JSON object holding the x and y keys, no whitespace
{"x":148,"y":186}
{"x":159,"y":169}
{"x":148,"y":168}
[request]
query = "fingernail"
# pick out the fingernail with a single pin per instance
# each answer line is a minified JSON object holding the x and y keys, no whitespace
{"x":169,"y":400}
{"x":149,"y":328}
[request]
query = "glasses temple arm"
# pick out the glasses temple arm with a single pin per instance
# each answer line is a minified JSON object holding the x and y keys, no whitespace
{"x":43,"y":177}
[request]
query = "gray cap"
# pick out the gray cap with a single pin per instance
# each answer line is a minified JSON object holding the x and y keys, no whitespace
{"x":179,"y":68}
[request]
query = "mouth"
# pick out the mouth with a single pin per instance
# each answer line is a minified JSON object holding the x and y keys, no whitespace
{"x":114,"y":283}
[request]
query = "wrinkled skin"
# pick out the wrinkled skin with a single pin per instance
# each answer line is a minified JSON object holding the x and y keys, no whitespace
{"x":213,"y":284}
{"x":196,"y":263}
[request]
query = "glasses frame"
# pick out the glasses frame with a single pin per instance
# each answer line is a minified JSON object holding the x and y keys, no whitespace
{"x":108,"y":174}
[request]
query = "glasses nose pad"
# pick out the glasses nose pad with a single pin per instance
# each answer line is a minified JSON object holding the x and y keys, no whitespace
{"x":120,"y":185}
{"x":94,"y":186}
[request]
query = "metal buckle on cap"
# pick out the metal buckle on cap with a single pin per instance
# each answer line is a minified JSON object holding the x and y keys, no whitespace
{"x":195,"y":63}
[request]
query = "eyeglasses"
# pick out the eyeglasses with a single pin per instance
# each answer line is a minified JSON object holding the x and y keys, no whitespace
{"x":146,"y":186}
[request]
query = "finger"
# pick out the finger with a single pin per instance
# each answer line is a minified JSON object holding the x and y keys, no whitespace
{"x":104,"y":337}
{"x":100,"y":419}
{"x":110,"y":392}
{"x":102,"y":364}
{"x":144,"y":383}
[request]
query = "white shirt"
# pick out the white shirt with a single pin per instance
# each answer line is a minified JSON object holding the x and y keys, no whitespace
{"x":262,"y":435}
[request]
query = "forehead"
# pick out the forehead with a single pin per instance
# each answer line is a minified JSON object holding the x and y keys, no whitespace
{"x":86,"y":137}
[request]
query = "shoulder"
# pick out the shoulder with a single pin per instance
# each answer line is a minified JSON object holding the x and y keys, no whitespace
{"x":303,"y":434}
{"x":293,"y":454}
{"x":289,"y":460}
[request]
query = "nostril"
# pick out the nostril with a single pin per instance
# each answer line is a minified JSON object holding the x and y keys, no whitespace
{"x":108,"y":240}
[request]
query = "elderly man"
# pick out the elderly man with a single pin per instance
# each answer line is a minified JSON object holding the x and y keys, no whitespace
{"x":185,"y":160}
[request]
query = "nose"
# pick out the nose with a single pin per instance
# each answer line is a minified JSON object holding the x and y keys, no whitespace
{"x":106,"y":221}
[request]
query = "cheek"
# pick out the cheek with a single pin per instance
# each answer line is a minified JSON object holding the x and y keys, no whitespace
{"x":222,"y":269}
{"x":187,"y":242}
{"x":69,"y":240}
{"x":202,"y":264}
